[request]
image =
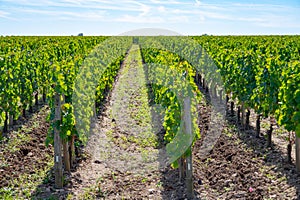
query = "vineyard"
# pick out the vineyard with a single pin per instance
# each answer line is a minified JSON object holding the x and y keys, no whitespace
{"x":202,"y":117}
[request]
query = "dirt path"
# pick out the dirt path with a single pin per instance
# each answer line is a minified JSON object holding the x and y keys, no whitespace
{"x":126,"y":155}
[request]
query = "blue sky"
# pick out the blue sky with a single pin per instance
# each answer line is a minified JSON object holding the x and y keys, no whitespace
{"x":111,"y":17}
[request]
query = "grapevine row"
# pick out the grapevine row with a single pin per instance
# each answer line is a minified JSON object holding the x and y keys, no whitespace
{"x":27,"y":65}
{"x":261,"y":73}
{"x":61,"y":69}
{"x":172,"y":79}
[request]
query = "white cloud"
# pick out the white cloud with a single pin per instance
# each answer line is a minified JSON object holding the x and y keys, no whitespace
{"x":169,"y":2}
{"x":6,"y":15}
{"x":262,"y":7}
{"x":143,"y":20}
{"x":162,"y":9}
{"x":268,"y":15}
{"x":154,"y":11}
{"x":110,"y":5}
{"x":3,"y":14}
{"x":179,"y":19}
{"x":198,"y":3}
{"x":88,"y":15}
{"x":145,"y":10}
{"x":275,"y":21}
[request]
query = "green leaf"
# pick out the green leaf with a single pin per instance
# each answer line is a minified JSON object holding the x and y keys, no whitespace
{"x":297,"y":96}
{"x":298,"y":130}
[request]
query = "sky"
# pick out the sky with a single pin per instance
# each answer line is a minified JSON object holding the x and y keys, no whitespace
{"x":111,"y":17}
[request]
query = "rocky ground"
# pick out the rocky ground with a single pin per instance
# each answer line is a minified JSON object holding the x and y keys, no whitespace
{"x":25,"y":160}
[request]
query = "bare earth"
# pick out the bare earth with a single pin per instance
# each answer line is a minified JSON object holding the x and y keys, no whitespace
{"x":125,"y":156}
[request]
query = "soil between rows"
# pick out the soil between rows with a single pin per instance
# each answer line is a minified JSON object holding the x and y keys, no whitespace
{"x":238,"y":167}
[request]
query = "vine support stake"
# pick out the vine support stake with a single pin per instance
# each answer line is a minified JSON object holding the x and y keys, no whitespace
{"x":58,"y":170}
{"x":238,"y":114}
{"x":232,"y":108}
{"x":5,"y":128}
{"x":243,"y":115}
{"x":248,"y":119}
{"x":221,"y":93}
{"x":189,"y":163}
{"x":65,"y":145}
{"x":181,"y":169}
{"x":289,"y":150}
{"x":258,"y":125}
{"x":11,"y":120}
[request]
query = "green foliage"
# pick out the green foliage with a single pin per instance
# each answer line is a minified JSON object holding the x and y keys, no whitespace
{"x":172,"y":80}
{"x":261,"y":71}
{"x":288,"y":113}
{"x":68,"y":122}
{"x":95,"y":77}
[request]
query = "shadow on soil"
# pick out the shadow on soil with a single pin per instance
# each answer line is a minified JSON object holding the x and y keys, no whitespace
{"x":273,"y":157}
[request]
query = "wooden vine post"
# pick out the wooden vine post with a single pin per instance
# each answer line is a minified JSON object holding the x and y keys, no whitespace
{"x":11,"y":120}
{"x":289,"y":150}
{"x":65,"y":145}
{"x":72,"y":151}
{"x":258,"y":125}
{"x":189,"y":162}
{"x":243,"y":115}
{"x":58,"y":168}
{"x":181,"y":168}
